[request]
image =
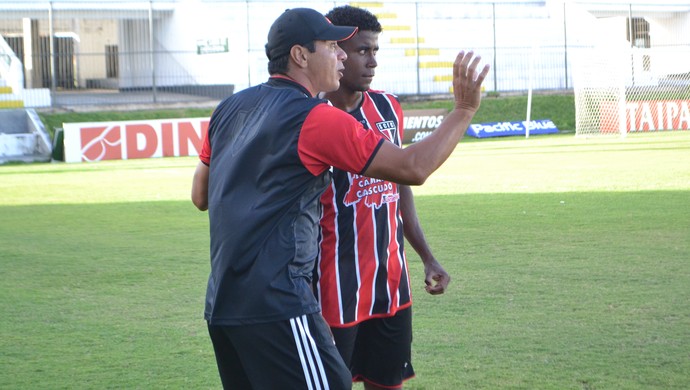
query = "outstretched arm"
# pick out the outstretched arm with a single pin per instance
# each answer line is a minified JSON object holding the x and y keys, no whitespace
{"x":414,"y":164}
{"x":200,"y":186}
{"x":436,"y":278}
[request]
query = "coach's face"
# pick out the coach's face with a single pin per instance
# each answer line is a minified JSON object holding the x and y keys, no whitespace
{"x":326,"y":65}
{"x":361,"y":61}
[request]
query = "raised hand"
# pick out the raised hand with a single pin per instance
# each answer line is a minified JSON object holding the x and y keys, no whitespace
{"x":467,"y":82}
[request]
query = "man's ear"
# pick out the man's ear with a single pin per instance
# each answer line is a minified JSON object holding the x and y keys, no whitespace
{"x":299,"y":55}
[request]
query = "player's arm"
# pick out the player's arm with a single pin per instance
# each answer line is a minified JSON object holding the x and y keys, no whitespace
{"x":436,"y":278}
{"x":414,"y":164}
{"x":200,"y":179}
{"x":200,"y":186}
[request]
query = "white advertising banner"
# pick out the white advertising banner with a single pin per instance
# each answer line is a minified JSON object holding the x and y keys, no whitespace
{"x":96,"y":141}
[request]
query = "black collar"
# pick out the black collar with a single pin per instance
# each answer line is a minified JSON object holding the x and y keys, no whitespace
{"x":285,"y":81}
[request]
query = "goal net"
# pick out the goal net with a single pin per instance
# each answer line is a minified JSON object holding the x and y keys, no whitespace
{"x":621,"y":89}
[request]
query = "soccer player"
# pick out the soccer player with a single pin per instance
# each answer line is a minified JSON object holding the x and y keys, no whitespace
{"x":265,"y":163}
{"x":362,"y":277}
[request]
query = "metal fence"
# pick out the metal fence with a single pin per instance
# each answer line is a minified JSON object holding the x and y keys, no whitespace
{"x":88,"y":52}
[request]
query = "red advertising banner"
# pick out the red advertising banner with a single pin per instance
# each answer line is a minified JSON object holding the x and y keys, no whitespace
{"x":98,"y":141}
{"x":646,"y":115}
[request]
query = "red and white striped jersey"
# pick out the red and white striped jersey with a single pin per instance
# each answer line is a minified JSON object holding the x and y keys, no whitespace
{"x":362,"y":270}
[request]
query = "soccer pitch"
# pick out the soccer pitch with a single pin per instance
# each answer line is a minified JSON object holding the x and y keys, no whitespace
{"x":569,"y":258}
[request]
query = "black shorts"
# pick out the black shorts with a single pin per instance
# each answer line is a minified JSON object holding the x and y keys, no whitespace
{"x":298,"y":353}
{"x":379,"y":350}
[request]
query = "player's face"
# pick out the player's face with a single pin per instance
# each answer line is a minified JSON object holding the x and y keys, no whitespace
{"x":326,"y":65}
{"x":361,"y":61}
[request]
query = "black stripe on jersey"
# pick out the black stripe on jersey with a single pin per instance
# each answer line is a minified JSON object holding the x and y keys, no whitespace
{"x":404,"y":288}
{"x":381,"y":293}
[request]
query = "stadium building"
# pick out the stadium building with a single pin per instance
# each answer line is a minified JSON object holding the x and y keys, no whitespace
{"x":212,"y":47}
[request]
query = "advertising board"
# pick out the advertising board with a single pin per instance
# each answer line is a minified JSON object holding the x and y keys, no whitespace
{"x":89,"y":142}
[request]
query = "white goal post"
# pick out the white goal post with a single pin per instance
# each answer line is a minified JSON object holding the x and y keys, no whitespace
{"x":620,"y":91}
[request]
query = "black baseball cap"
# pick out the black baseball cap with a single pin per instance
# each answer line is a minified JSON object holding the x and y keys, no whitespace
{"x":299,"y":26}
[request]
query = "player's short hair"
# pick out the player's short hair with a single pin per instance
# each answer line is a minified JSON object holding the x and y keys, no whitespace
{"x":280,"y":65}
{"x":347,"y":15}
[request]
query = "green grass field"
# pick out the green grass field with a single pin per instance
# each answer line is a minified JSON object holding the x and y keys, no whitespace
{"x":570,"y":261}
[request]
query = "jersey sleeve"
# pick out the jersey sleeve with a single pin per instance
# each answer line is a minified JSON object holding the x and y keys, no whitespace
{"x":205,"y":153}
{"x":331,"y":137}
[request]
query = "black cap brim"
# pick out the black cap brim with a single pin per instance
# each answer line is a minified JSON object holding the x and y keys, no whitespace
{"x":336,"y":33}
